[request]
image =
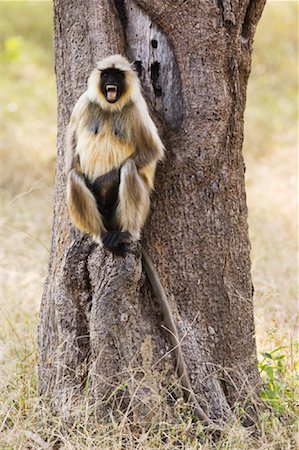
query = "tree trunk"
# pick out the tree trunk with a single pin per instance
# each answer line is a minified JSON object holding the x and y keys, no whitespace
{"x":101,"y":337}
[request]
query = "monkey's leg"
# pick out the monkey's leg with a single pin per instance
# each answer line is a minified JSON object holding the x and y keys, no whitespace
{"x":82,"y":206}
{"x":133,"y":200}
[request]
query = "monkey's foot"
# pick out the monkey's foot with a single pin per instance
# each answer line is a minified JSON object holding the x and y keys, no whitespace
{"x":117,"y":242}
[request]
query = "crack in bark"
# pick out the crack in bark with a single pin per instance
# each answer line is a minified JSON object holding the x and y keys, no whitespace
{"x":252,"y":16}
{"x":227,"y":14}
{"x":122,"y":13}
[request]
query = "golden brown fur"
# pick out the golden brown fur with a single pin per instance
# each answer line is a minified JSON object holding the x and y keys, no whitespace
{"x":82,"y":205}
{"x":103,"y":136}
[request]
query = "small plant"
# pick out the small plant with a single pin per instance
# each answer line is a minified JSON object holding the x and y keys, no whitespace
{"x":279,"y":372}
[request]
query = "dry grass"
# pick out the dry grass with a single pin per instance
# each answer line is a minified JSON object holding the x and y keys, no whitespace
{"x":28,"y":142}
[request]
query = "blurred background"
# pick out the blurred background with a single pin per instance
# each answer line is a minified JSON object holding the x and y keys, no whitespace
{"x":28,"y":134}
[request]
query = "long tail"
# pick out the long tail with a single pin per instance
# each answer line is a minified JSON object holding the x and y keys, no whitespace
{"x":82,"y":205}
{"x":174,"y":336}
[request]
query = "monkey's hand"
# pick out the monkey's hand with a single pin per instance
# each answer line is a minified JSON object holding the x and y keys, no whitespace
{"x":117,"y":242}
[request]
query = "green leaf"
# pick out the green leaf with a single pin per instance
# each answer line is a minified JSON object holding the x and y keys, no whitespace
{"x":270,"y":372}
{"x":267,"y":355}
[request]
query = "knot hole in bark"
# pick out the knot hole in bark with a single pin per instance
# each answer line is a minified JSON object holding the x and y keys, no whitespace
{"x":155,"y":75}
{"x":138,"y":67}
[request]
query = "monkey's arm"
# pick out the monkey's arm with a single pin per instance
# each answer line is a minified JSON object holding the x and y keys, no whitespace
{"x":149,"y":148}
{"x":137,"y":173}
{"x":81,"y":203}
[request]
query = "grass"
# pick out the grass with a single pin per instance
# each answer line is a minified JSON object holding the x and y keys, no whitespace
{"x":28,"y":143}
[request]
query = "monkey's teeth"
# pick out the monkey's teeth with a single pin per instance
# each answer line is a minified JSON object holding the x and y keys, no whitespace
{"x":111,"y":92}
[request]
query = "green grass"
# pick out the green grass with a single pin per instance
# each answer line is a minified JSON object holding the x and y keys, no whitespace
{"x":28,"y":141}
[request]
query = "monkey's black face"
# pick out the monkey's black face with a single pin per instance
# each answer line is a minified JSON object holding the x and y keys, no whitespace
{"x":112,"y":84}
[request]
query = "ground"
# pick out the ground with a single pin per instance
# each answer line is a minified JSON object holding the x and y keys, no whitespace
{"x":28,"y":148}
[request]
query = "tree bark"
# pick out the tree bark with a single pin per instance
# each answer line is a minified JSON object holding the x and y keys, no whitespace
{"x":101,"y":337}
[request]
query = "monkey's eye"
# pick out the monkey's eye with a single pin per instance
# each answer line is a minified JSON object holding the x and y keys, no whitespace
{"x":104,"y":74}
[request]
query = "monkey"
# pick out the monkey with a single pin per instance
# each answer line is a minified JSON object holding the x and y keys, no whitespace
{"x":113,"y":148}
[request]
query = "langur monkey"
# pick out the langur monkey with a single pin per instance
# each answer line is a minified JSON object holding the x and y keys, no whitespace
{"x":113,"y":148}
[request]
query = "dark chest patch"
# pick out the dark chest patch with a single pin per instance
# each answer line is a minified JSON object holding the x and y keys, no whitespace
{"x":122,"y":123}
{"x":94,"y":126}
{"x":95,"y":118}
{"x":119,"y":127}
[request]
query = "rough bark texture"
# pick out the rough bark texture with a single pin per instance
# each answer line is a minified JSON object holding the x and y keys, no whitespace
{"x":101,"y":333}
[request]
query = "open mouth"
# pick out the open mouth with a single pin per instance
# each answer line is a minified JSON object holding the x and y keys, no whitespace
{"x":111,"y":92}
